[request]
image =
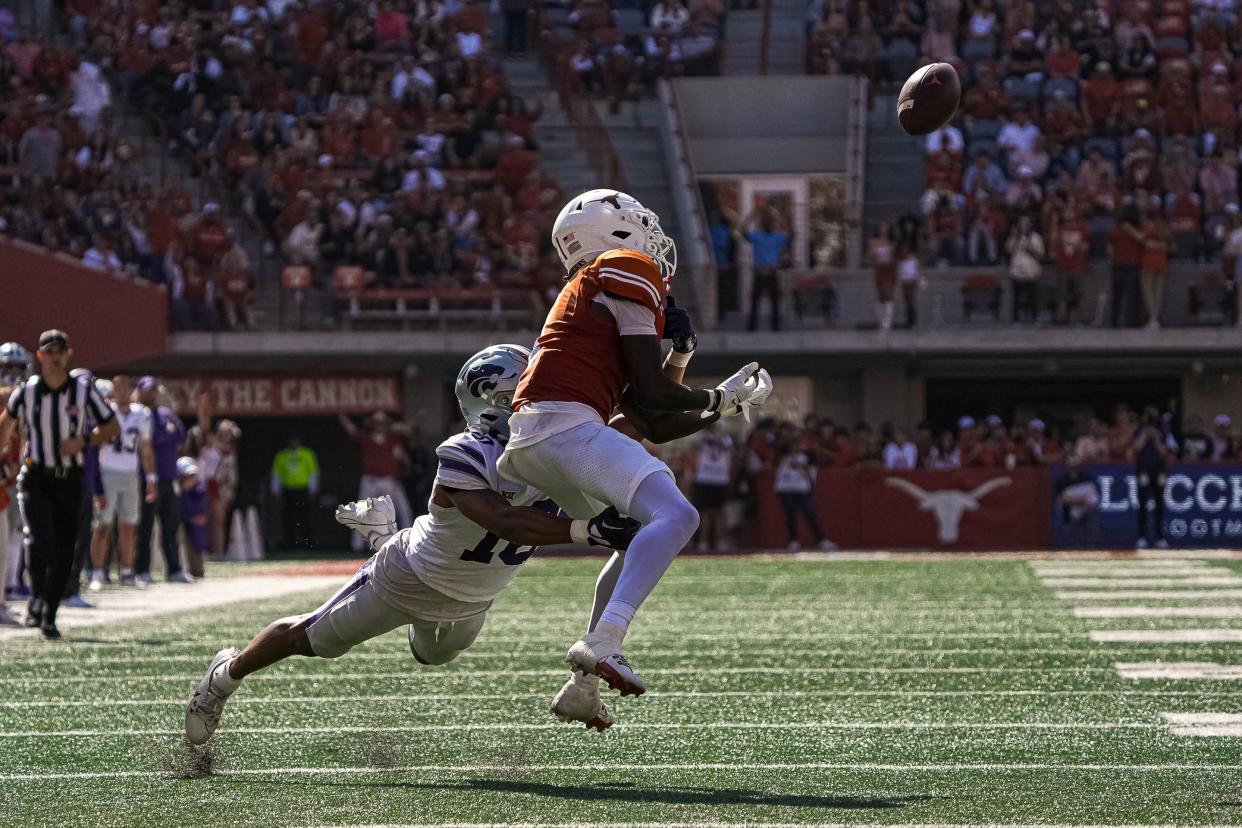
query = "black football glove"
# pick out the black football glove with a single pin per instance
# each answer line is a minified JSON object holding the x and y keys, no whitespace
{"x":609,"y":528}
{"x":679,"y":329}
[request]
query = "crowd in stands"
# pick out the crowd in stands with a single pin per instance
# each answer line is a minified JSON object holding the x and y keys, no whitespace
{"x":988,"y":442}
{"x":1087,"y":130}
{"x":378,"y":137}
{"x":720,"y":470}
{"x":619,"y":53}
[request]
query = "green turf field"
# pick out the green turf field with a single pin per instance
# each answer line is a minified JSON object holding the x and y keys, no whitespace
{"x":921,"y":690}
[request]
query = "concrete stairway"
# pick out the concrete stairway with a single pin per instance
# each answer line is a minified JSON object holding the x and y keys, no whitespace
{"x":894,"y":175}
{"x":636,"y":135}
{"x":559,"y":149}
{"x":743,"y":37}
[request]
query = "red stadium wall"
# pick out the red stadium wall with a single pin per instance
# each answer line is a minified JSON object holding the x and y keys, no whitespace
{"x":865,"y":508}
{"x":111,"y":319}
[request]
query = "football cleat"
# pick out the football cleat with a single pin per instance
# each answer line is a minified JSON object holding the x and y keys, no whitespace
{"x":202,"y":714}
{"x":579,"y":701}
{"x":375,"y":518}
{"x":600,"y":655}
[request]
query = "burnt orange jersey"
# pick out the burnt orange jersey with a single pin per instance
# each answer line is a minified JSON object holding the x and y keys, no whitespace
{"x":578,"y":356}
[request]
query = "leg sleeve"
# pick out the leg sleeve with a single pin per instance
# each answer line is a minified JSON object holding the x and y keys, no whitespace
{"x":669,"y":522}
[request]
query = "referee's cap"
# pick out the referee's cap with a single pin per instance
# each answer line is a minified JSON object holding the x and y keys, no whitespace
{"x":53,"y":338}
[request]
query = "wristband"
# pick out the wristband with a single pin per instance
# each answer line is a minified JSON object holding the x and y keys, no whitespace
{"x":151,"y":478}
{"x":679,"y":360}
{"x":578,"y":532}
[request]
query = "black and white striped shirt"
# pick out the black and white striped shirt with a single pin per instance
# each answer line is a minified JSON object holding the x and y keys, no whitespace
{"x":50,"y":416}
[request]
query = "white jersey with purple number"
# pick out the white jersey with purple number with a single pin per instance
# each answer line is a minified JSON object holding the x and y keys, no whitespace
{"x":447,"y":551}
{"x":121,"y":454}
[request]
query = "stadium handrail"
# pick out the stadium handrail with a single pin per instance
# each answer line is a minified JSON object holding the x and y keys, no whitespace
{"x":689,"y":202}
{"x":856,"y":165}
{"x":580,"y":111}
{"x":765,"y":37}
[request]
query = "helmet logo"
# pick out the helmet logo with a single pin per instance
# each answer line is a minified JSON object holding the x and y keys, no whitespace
{"x":482,"y":379}
{"x":612,"y":199}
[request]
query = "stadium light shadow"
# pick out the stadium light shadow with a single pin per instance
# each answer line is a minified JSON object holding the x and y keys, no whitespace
{"x":629,"y":792}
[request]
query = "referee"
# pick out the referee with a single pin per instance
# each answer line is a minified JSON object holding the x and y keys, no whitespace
{"x":53,"y":409}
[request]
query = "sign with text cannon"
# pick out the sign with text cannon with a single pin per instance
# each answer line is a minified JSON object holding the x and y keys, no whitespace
{"x":286,"y":396}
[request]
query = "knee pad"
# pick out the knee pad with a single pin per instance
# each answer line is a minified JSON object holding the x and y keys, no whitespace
{"x":430,"y":656}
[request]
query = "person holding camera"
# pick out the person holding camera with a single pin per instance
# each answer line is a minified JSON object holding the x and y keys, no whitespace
{"x":1151,"y":471}
{"x":1026,"y":252}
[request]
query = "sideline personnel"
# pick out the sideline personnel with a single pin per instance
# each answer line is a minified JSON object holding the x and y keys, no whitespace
{"x":53,"y":410}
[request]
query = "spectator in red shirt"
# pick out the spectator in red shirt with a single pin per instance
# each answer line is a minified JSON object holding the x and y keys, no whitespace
{"x":1069,"y":254}
{"x":1125,"y":248}
{"x":392,"y":31}
{"x":987,"y":99}
{"x":384,"y":457}
{"x":1100,"y":100}
{"x":234,"y":285}
{"x":1097,"y":182}
{"x":1154,"y":261}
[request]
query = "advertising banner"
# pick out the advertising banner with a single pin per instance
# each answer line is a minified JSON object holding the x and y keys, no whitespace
{"x":1202,"y":506}
{"x":287,"y":396}
{"x":865,"y":508}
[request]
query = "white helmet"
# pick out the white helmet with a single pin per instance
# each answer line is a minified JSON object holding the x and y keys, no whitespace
{"x":486,"y":385}
{"x":601,"y":220}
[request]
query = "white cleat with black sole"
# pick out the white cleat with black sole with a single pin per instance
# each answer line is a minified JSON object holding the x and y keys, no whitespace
{"x":375,"y":518}
{"x":599,"y":653}
{"x":579,"y":701}
{"x":202,"y":714}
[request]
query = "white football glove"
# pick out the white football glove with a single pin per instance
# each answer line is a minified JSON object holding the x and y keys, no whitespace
{"x":760,"y":386}
{"x":731,"y":396}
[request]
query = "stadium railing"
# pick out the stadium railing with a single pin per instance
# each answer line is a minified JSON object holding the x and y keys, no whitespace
{"x":580,"y":111}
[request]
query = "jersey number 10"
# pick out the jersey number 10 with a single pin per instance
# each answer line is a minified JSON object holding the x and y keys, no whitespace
{"x":512,"y":554}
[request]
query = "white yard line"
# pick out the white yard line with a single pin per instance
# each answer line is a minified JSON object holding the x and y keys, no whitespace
{"x":578,"y":767}
{"x":470,"y":675}
{"x":1142,"y":583}
{"x":1178,"y":670}
{"x":1204,"y":724}
{"x":747,"y":824}
{"x":1150,"y":595}
{"x":650,"y":630}
{"x":557,"y":726}
{"x":638,"y":652}
{"x":1118,"y":572}
{"x":1123,"y":563}
{"x":1158,"y":612}
{"x":1209,"y":636}
{"x":671,"y":694}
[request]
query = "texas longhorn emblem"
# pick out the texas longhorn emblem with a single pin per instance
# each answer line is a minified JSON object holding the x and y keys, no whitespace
{"x":948,"y":505}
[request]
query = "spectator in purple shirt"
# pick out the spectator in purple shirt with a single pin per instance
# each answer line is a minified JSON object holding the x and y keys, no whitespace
{"x":167,"y":435}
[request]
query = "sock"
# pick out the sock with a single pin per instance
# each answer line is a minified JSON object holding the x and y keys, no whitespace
{"x":97,"y":575}
{"x":127,"y":572}
{"x":223,"y":680}
{"x":615,"y":622}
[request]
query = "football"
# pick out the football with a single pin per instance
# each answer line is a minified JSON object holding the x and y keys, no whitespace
{"x":929,"y":98}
